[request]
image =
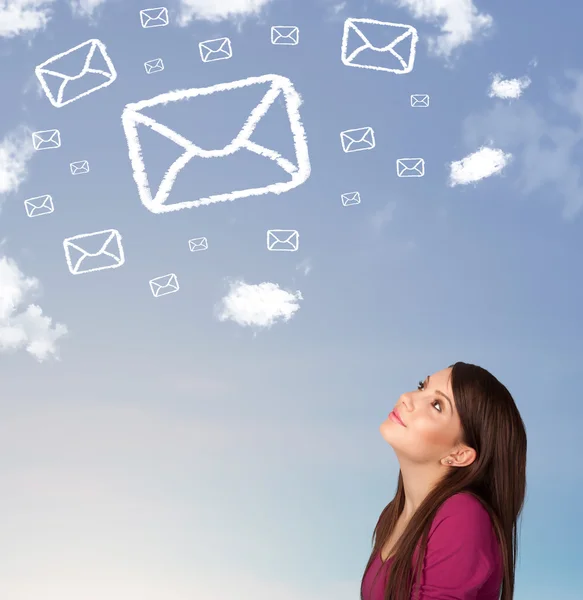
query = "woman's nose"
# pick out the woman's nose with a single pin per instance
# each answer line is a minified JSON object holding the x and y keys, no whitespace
{"x":405,"y":400}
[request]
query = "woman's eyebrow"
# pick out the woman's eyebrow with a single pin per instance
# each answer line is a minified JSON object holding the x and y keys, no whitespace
{"x":441,"y":394}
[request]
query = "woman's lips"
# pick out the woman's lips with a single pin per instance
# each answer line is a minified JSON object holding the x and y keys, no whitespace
{"x":394,"y":416}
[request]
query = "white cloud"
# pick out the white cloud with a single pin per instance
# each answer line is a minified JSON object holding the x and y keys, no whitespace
{"x":508,"y":88}
{"x":259,"y":305}
{"x":23,"y":325}
{"x":18,"y":17}
{"x":460,"y":21}
{"x":211,"y":10}
{"x":22,"y":16}
{"x":15,"y":152}
{"x":85,"y":8}
{"x":545,"y":143}
{"x":478,"y":165}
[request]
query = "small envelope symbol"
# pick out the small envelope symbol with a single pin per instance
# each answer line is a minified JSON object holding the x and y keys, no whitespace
{"x":355,"y":140}
{"x":350,"y":199}
{"x":393,"y":50}
{"x":285,"y":35}
{"x":283,"y":240}
{"x":41,"y":205}
{"x":45,"y":140}
{"x":280,"y":92}
{"x":154,"y":17}
{"x":219,"y":49}
{"x":164,"y":285}
{"x":420,"y":100}
{"x":410,"y":167}
{"x":94,"y":251}
{"x":153,"y":66}
{"x":79,"y":167}
{"x":197,"y":244}
{"x":62,"y":84}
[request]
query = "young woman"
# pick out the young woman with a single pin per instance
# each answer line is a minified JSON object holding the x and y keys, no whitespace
{"x":450,"y":532}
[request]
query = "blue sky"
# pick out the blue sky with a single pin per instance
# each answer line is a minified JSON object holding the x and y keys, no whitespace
{"x":156,"y":447}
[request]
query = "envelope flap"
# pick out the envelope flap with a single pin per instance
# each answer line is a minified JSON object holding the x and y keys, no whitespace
{"x":94,"y":244}
{"x":154,"y":13}
{"x":164,"y":281}
{"x":211,"y":119}
{"x":51,"y":135}
{"x":38,"y":202}
{"x":413,"y":163}
{"x":285,"y":31}
{"x":71,"y":63}
{"x":380,"y":35}
{"x":283,"y":236}
{"x":217,"y":45}
{"x":358,"y":135}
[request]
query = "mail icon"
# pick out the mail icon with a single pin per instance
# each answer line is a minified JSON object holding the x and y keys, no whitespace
{"x":420,"y":100}
{"x":79,"y":167}
{"x":355,"y":140}
{"x":41,"y":205}
{"x":285,"y":35}
{"x":154,"y":17}
{"x":270,"y":89}
{"x":197,"y":244}
{"x":393,"y":49}
{"x":97,"y":251}
{"x":410,"y":167}
{"x":350,"y":199}
{"x":46,"y":140}
{"x":154,"y":66}
{"x":283,"y":240}
{"x":212,"y":50}
{"x":164,"y":285}
{"x":64,"y":84}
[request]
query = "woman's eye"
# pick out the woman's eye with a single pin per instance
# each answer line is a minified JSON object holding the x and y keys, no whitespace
{"x":438,"y":403}
{"x":420,"y":385}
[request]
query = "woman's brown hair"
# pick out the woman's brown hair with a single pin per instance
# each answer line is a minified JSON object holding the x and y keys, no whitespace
{"x":493,"y":427}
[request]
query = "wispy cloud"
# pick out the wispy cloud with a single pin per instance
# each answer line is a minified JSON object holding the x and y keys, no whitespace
{"x":305,"y":266}
{"x":338,"y":8}
{"x":383,"y":216}
{"x":18,"y":17}
{"x":478,"y":165}
{"x":507,"y":88}
{"x":259,"y":305}
{"x":459,"y":20}
{"x":85,"y":8}
{"x":23,"y":325}
{"x":544,"y":149}
{"x":15,"y":151}
{"x":211,"y":10}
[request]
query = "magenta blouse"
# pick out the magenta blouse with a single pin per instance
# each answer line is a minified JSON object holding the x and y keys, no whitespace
{"x":462,"y":560}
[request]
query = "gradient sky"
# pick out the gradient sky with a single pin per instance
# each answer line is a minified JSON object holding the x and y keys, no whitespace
{"x":164,"y":453}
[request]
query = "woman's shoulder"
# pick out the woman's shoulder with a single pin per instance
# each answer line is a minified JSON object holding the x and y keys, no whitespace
{"x":463,"y":511}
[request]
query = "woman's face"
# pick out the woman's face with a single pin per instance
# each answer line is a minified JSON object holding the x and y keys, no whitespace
{"x":432,"y":427}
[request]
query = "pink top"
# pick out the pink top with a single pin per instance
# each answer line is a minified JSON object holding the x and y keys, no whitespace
{"x":462,"y":560}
